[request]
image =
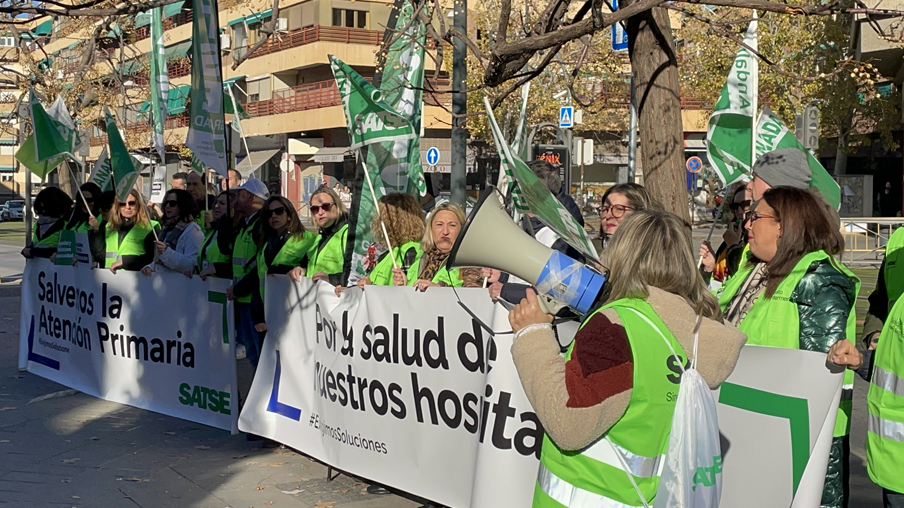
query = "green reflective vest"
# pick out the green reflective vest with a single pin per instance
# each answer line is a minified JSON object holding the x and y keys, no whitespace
{"x":291,"y":254}
{"x":894,"y":267}
{"x":132,"y":244}
{"x":775,"y":322}
{"x":200,"y":219}
{"x":885,"y":429}
{"x":210,"y":252}
{"x":244,"y":254}
{"x":330,"y":257}
{"x":444,"y":275}
{"x":595,"y":476}
{"x":381,"y":275}
{"x":51,"y":240}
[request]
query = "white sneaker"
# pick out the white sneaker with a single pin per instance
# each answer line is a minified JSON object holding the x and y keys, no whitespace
{"x":240,"y":352}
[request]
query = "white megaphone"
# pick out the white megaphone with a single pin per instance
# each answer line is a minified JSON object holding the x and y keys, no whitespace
{"x":491,"y":239}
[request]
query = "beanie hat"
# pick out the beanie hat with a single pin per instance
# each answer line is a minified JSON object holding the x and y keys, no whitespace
{"x":786,"y":166}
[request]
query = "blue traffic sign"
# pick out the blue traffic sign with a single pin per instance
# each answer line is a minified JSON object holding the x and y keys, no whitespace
{"x":433,"y":156}
{"x":566,"y":117}
{"x":619,"y":34}
{"x":694,"y":164}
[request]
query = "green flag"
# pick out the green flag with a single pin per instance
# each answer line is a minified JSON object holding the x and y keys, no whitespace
{"x":539,"y":200}
{"x":207,"y":131}
{"x":772,"y":134}
{"x":506,"y":181}
{"x":124,"y":166}
{"x":66,"y":126}
{"x":729,"y":138}
{"x":102,"y":172}
{"x":48,"y":141}
{"x":159,"y":82}
{"x":368,"y":118}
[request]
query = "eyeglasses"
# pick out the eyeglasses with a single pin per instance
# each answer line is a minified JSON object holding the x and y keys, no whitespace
{"x":276,"y":211}
{"x":171,"y":202}
{"x":131,"y":204}
{"x":618,"y":211}
{"x":756,"y":216}
{"x":325,"y":206}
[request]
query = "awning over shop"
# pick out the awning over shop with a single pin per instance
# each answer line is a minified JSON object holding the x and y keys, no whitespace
{"x":5,"y":168}
{"x":178,"y":96}
{"x":44,"y":29}
{"x":257,"y":17}
{"x":331,"y":154}
{"x":254,"y":161}
{"x":178,"y":50}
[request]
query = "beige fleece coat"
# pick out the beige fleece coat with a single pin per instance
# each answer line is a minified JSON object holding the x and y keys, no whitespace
{"x":542,"y":370}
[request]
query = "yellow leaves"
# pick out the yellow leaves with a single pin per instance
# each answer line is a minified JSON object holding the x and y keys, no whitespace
{"x":324,"y":504}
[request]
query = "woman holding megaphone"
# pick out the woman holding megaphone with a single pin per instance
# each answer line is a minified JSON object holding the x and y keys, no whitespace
{"x":607,"y":405}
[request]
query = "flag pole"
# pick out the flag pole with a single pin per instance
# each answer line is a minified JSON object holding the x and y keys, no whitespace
{"x":79,"y":189}
{"x":373,"y":195}
{"x":755,"y":117}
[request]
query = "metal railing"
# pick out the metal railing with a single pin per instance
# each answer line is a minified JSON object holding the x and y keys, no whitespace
{"x":317,"y":33}
{"x":865,"y":238}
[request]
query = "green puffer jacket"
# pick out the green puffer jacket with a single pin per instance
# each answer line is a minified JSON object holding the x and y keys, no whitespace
{"x":824,"y":298}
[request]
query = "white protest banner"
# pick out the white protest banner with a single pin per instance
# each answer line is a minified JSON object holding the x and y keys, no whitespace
{"x":161,"y":343}
{"x":158,"y":185}
{"x":407,"y":390}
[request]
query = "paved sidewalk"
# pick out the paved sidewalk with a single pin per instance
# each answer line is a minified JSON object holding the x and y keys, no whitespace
{"x":76,"y":450}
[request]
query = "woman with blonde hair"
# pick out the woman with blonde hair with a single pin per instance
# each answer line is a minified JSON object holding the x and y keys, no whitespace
{"x":129,"y":235}
{"x":443,"y":226}
{"x":404,"y":221}
{"x":326,"y":259}
{"x":614,"y":389}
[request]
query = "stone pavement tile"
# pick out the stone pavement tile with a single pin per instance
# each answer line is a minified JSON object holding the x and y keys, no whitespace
{"x":381,"y":502}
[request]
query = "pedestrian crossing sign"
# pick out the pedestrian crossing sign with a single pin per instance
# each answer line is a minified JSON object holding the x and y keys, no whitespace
{"x":566,"y":117}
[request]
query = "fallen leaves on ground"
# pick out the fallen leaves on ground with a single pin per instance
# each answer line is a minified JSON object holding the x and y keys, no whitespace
{"x":324,"y":504}
{"x":259,"y":487}
{"x":272,"y":464}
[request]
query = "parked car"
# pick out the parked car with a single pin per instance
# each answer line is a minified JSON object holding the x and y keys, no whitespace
{"x":13,"y":210}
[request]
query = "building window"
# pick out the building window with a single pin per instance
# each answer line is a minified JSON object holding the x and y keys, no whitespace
{"x":254,"y":97}
{"x":349,"y":18}
{"x":8,"y":42}
{"x":6,"y":177}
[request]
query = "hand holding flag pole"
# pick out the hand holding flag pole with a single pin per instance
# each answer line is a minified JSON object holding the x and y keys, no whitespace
{"x":373,"y":195}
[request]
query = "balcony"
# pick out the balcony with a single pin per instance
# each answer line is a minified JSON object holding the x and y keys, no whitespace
{"x":318,"y":33}
{"x":183,"y":18}
{"x":323,"y":94}
{"x":615,"y":95}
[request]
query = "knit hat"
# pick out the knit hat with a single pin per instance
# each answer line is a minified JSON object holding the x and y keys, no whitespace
{"x":786,"y":166}
{"x":256,"y":187}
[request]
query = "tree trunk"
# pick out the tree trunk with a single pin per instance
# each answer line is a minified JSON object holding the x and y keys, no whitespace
{"x":653,"y":62}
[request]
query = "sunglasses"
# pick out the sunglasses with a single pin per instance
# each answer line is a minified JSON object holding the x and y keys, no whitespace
{"x":131,"y":204}
{"x":171,"y":202}
{"x":325,"y":206}
{"x":276,"y":211}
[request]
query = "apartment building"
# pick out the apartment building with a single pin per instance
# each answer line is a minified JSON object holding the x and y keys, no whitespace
{"x":296,"y":135}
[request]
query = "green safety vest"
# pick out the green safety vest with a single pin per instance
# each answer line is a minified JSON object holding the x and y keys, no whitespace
{"x":81,"y":227}
{"x":200,"y":220}
{"x":291,"y":254}
{"x":244,"y":255}
{"x":885,"y":429}
{"x":775,"y":322}
{"x":330,"y":257}
{"x":132,"y":244}
{"x":595,"y":476}
{"x":444,"y":275}
{"x":894,"y":267}
{"x":381,"y":275}
{"x":210,"y":253}
{"x":51,"y":240}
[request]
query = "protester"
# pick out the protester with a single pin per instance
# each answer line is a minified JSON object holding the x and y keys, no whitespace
{"x":326,"y":259}
{"x":181,"y":238}
{"x":284,"y":245}
{"x":249,"y":200}
{"x":234,"y":180}
{"x":129,"y":235}
{"x":404,"y":221}
{"x":346,"y":197}
{"x":443,"y":226}
{"x":52,"y":206}
{"x":89,"y":220}
{"x":215,"y":256}
{"x":790,"y":292}
{"x":620,"y":201}
{"x":723,"y":263}
{"x":194,"y":184}
{"x":610,"y":385}
{"x":178,"y":181}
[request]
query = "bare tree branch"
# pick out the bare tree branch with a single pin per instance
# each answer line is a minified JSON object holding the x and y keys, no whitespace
{"x":268,"y":32}
{"x":79,"y":11}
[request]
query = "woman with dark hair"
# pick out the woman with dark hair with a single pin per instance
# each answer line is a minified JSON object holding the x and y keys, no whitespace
{"x":791,"y":292}
{"x":284,"y":244}
{"x":620,"y":201}
{"x":181,"y":238}
{"x":89,"y":220}
{"x":215,"y":256}
{"x":129,"y":235}
{"x":326,"y":259}
{"x":404,"y":221}
{"x":51,"y":205}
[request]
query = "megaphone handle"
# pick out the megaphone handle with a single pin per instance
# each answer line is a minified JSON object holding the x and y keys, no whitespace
{"x":549,"y":304}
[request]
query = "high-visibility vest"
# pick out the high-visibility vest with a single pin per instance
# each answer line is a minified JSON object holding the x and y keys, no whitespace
{"x":885,"y":428}
{"x":290,"y":254}
{"x":894,"y":267}
{"x":210,"y":252}
{"x":330,"y":257}
{"x":200,"y":220}
{"x":775,"y":322}
{"x":449,"y":277}
{"x":132,"y":244}
{"x":381,"y":275}
{"x":51,"y":240}
{"x":595,"y":476}
{"x":244,"y":254}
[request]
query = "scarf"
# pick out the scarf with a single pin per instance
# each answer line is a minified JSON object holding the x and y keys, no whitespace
{"x":432,"y":262}
{"x":742,"y":302}
{"x":172,"y":233}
